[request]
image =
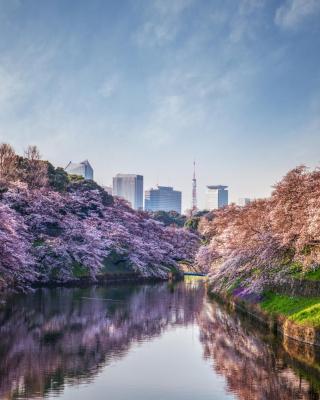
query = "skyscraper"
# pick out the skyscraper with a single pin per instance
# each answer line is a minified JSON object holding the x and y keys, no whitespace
{"x":216,"y":197}
{"x":130,"y":188}
{"x":163,"y":198}
{"x":83,"y":169}
{"x":194,"y":206}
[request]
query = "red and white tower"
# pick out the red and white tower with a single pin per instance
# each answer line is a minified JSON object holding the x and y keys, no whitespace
{"x":194,"y":207}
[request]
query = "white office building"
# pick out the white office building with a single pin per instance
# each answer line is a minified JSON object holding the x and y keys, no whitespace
{"x":83,"y":169}
{"x":130,"y":188}
{"x":216,"y":197}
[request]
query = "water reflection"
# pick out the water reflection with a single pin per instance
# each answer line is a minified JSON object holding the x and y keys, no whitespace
{"x":255,"y":364}
{"x":61,"y":337}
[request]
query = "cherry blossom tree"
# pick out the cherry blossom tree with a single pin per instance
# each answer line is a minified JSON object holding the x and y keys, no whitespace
{"x":15,"y":258}
{"x":81,"y":229}
{"x":252,"y":246}
{"x":7,"y":163}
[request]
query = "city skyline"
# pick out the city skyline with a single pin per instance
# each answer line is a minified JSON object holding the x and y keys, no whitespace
{"x":161,"y":198}
{"x":84,"y":169}
{"x":148,"y":86}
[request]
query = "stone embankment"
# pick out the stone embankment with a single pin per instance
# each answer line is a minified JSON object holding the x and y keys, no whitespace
{"x":296,"y":287}
{"x":279,"y":324}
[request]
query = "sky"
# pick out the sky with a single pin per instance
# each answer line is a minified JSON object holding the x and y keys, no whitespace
{"x":148,"y":86}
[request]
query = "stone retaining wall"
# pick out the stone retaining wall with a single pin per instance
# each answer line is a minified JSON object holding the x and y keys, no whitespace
{"x":280,"y":324}
{"x":296,"y":287}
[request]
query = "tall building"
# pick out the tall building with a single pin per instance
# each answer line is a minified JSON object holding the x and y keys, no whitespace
{"x":244,"y":201}
{"x":130,"y":188}
{"x":194,"y":206}
{"x":83,"y":169}
{"x":163,"y":198}
{"x":216,"y":197}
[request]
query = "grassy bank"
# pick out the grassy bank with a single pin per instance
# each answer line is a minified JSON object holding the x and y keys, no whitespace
{"x":309,"y":276}
{"x":293,"y":316}
{"x":301,"y":310}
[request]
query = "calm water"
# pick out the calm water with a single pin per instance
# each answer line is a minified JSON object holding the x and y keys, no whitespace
{"x":144,"y":342}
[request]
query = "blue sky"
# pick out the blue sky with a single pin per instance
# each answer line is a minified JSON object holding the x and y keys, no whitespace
{"x":147,"y":86}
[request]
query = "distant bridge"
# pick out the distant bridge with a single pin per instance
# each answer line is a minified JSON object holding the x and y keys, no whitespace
{"x":194,"y":274}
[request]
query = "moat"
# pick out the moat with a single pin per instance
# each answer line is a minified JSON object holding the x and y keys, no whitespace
{"x":151,"y":341}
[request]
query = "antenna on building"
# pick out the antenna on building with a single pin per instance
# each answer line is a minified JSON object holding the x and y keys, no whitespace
{"x":194,"y":207}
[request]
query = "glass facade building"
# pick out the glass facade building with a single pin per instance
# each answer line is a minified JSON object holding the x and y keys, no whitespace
{"x":163,"y":198}
{"x":216,"y":197}
{"x":130,"y":188}
{"x":83,"y":169}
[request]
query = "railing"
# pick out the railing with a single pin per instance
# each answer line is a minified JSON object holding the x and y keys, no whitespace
{"x":194,"y":274}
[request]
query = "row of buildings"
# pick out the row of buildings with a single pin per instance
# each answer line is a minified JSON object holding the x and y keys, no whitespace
{"x":130,"y":188}
{"x":161,"y":198}
{"x":164,"y":198}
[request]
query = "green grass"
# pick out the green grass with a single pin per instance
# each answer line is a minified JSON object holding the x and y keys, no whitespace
{"x":312,"y":275}
{"x":296,"y":271}
{"x":304,"y":311}
{"x":295,"y":268}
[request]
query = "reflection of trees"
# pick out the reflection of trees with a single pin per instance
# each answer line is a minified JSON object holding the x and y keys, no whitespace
{"x":253,"y":368}
{"x":61,"y":336}
{"x":57,"y":336}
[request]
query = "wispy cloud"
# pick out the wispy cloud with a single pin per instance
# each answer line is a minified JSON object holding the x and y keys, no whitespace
{"x":189,"y":100}
{"x":246,"y":20}
{"x":153,"y":77}
{"x":162,"y":22}
{"x":11,"y":88}
{"x":167,"y":121}
{"x":293,"y":12}
{"x":109,"y":86}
